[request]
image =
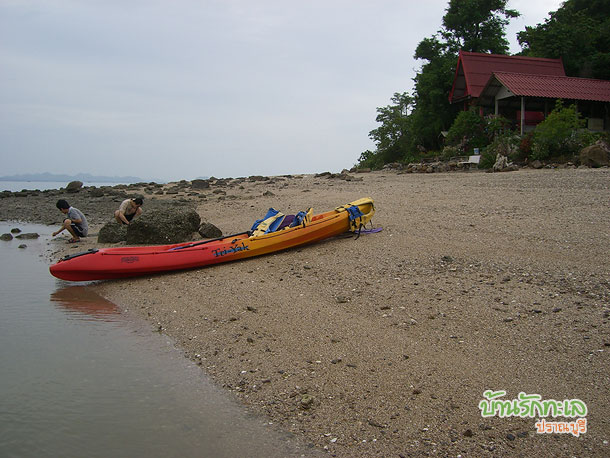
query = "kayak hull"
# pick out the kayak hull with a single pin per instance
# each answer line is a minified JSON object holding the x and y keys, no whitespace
{"x":123,"y":262}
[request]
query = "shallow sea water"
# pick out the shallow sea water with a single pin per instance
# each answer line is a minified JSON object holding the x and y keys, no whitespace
{"x":81,"y":379}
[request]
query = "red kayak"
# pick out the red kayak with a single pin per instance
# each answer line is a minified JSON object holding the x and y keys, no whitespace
{"x":122,"y":262}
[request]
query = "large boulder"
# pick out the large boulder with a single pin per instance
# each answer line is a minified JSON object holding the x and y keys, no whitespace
{"x":96,"y":192}
{"x":163,"y":226}
{"x":200,"y":184}
{"x":74,"y":186}
{"x":112,"y":232}
{"x":596,"y":155}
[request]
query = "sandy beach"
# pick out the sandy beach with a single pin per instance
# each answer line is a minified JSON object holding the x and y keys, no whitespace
{"x":384,"y":345}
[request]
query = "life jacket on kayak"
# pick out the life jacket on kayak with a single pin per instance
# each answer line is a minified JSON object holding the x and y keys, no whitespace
{"x":274,"y":220}
{"x":357,"y":219}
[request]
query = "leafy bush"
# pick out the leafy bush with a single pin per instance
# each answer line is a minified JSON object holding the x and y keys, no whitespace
{"x":506,"y":144}
{"x":467,"y":132}
{"x":370,"y":160}
{"x":409,"y":158}
{"x":449,"y":152}
{"x":525,"y":147}
{"x":488,"y":159}
{"x":495,"y":126}
{"x":562,"y":133}
{"x":470,"y":131}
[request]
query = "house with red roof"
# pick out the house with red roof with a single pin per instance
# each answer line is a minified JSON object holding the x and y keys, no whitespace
{"x":525,"y":89}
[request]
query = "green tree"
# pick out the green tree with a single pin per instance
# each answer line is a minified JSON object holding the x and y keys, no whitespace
{"x":477,"y":25}
{"x":470,"y":25}
{"x":432,"y":112}
{"x":579,"y":33}
{"x":391,"y":138}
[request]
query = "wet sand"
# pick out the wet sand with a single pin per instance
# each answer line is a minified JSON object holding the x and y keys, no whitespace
{"x":384,"y":345}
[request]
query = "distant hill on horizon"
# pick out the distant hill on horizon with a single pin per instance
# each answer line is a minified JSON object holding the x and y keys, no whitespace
{"x":84,"y":177}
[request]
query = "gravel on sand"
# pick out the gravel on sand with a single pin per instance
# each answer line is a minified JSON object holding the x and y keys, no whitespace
{"x":384,"y":345}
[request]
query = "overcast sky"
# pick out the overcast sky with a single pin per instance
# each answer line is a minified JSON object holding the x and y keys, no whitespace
{"x":179,"y":89}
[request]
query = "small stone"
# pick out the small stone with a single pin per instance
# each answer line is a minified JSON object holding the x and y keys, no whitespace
{"x":375,"y":424}
{"x":23,"y":245}
{"x":557,"y":309}
{"x":510,"y":437}
{"x":468,"y":433}
{"x":15,"y":230}
{"x":6,"y":237}
{"x":306,"y":402}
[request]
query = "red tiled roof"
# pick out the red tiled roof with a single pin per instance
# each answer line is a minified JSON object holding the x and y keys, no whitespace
{"x":474,"y":69}
{"x":555,"y":87}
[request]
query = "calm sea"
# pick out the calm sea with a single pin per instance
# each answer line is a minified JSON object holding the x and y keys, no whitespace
{"x":79,"y":378}
{"x":44,"y":185}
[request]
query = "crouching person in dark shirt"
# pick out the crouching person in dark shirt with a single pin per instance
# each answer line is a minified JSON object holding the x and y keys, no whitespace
{"x":75,"y":222}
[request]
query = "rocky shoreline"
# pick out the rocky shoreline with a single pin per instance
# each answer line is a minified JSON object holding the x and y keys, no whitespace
{"x":384,"y":345}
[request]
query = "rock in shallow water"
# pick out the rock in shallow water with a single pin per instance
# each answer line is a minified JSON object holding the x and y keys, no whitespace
{"x":28,"y":236}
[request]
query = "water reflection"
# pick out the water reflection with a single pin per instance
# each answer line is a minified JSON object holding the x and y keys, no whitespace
{"x":80,"y":302}
{"x":79,"y":378}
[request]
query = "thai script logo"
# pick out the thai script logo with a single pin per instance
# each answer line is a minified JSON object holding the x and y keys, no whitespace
{"x":575,"y":428}
{"x":532,"y":405}
{"x":234,"y":249}
{"x":130,"y":259}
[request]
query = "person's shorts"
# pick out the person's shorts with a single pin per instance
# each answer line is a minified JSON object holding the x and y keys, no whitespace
{"x":78,"y":230}
{"x":129,"y":217}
